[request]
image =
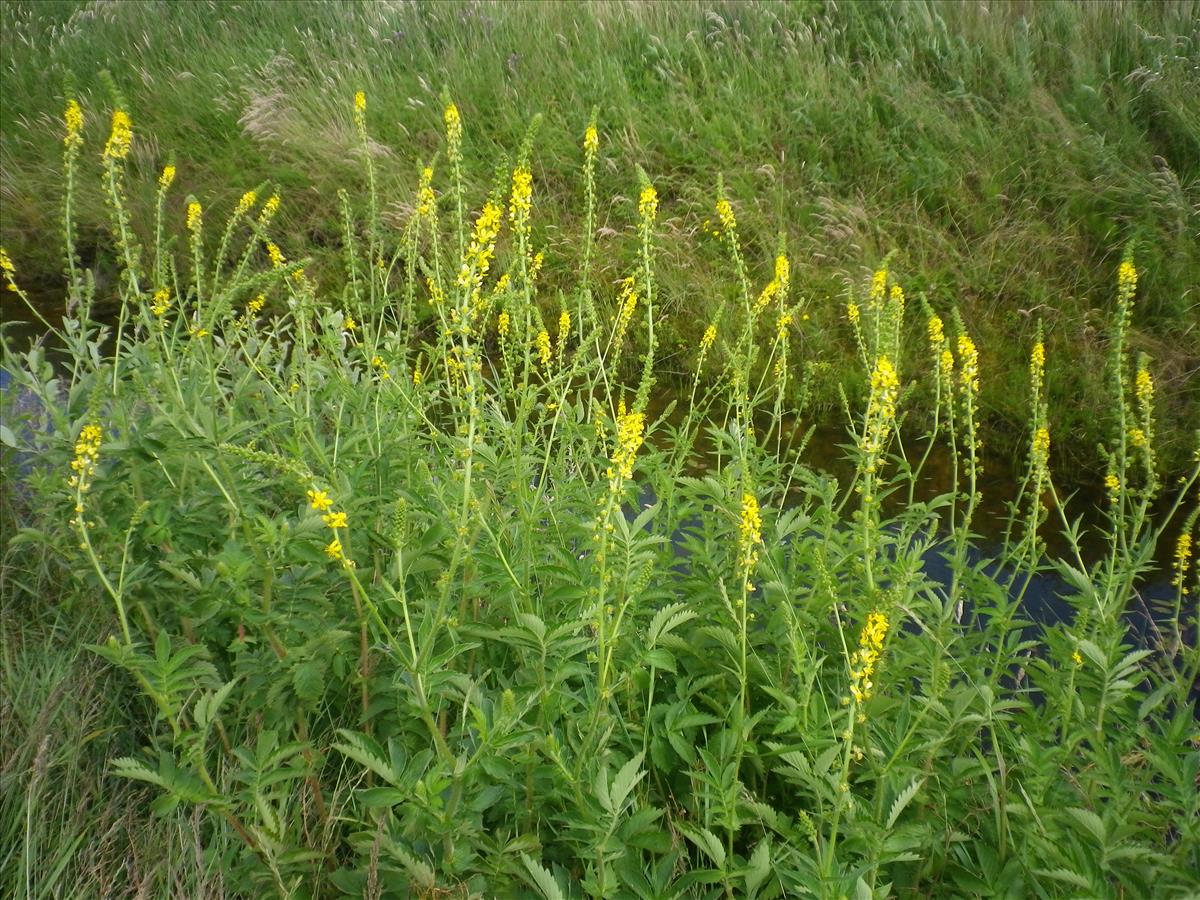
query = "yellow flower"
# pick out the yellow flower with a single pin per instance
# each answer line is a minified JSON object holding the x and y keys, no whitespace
{"x":520,"y":202}
{"x":881,"y":410}
{"x":878,"y":287}
{"x":246,"y":203}
{"x":648,"y":204}
{"x":853,"y":313}
{"x":73,"y":119}
{"x":334,"y":519}
{"x":591,"y":140}
{"x":1137,"y":437}
{"x":630,"y":429}
{"x":426,"y":201}
{"x":1144,"y":389}
{"x":1076,"y":658}
{"x":417,"y":376}
{"x":725,"y":214}
{"x":937,"y":334}
{"x":865,"y":659}
{"x":1127,"y":279}
{"x":8,"y":269}
{"x":564,"y":325}
{"x":348,"y":324}
{"x":502,"y":324}
{"x":710,"y":335}
{"x":167,"y":176}
{"x":161,"y":302}
{"x":626,"y":304}
{"x":453,"y":129}
{"x":749,"y":534}
{"x":1041,"y":449}
{"x":256,"y":305}
{"x":87,"y":453}
{"x":269,"y":209}
{"x":360,"y":102}
{"x":334,"y":549}
{"x":783,"y":269}
{"x":1113,"y":484}
{"x":120,"y":137}
{"x":1183,"y":558}
{"x":781,"y":326}
{"x":273,"y":251}
{"x":319,"y":500}
{"x":543,"y":347}
{"x":194,"y":217}
{"x":969,"y":360}
{"x":478,"y":257}
{"x":1037,"y":364}
{"x":947,"y":364}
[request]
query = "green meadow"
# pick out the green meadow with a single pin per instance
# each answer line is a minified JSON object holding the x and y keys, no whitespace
{"x":617,"y":450}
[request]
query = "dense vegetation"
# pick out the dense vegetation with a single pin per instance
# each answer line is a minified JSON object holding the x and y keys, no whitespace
{"x":457,"y":534}
{"x":1007,"y":151}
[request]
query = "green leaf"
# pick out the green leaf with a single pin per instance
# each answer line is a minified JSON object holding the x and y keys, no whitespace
{"x":759,"y":867}
{"x":1090,"y":821}
{"x":708,"y":842}
{"x":902,"y":800}
{"x":629,"y":775}
{"x":542,"y":879}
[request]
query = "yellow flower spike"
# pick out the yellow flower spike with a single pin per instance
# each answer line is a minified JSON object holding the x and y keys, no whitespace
{"x":319,"y":500}
{"x":334,"y":550}
{"x":1076,"y":657}
{"x":269,"y":209}
{"x":246,"y":203}
{"x":1183,"y":560}
{"x":749,"y":534}
{"x":783,"y":271}
{"x":1113,"y":485}
{"x":453,"y":129}
{"x":1144,"y":389}
{"x":852,"y":312}
{"x":564,"y":324}
{"x":782,"y":325}
{"x":520,"y":202}
{"x":73,"y":120}
{"x":591,"y":139}
{"x":87,"y":454}
{"x":543,"y":347}
{"x":648,"y":204}
{"x":937,"y":334}
{"x":161,"y":302}
{"x":725,"y":215}
{"x":1127,"y":279}
{"x":865,"y":659}
{"x":878,"y":288}
{"x":277,"y":257}
{"x":1137,"y":437}
{"x":360,"y":102}
{"x":502,"y":324}
{"x":120,"y":137}
{"x":426,"y":201}
{"x":969,"y":363}
{"x":195,"y":218}
{"x":709,"y":337}
{"x":478,"y":257}
{"x":256,"y":305}
{"x":7,"y":269}
{"x":417,"y":377}
{"x":335,"y":519}
{"x":1041,"y":449}
{"x":630,"y":430}
{"x":167,"y":177}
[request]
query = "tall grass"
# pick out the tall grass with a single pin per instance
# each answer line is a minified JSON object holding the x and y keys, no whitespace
{"x":1006,"y":150}
{"x":420,"y":596}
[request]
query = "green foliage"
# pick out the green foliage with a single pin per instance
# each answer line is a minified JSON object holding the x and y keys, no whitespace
{"x":404,"y":601}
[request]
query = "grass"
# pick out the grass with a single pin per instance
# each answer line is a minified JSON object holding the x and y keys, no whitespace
{"x":1007,"y":152}
{"x":403,"y":581}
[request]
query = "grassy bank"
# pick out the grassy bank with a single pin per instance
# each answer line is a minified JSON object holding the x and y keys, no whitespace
{"x":1007,"y":152}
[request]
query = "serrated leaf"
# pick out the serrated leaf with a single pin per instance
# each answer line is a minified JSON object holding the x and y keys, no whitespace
{"x":759,"y":867}
{"x":1090,"y":821}
{"x":542,"y":879}
{"x":708,"y":842}
{"x":627,"y":778}
{"x":902,"y":800}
